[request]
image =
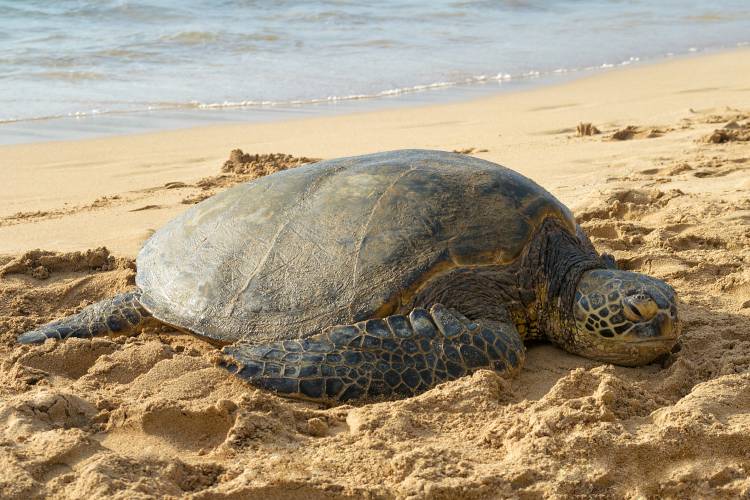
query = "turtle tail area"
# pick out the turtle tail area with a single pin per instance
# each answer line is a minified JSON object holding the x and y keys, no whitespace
{"x":119,"y":314}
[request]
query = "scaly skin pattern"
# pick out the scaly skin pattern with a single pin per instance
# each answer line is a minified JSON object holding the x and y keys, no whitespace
{"x":119,"y":314}
{"x":395,"y":356}
{"x":611,"y":304}
{"x":548,"y":275}
{"x":625,"y":318}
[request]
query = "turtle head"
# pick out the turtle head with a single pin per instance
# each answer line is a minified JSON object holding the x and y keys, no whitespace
{"x":623,"y":317}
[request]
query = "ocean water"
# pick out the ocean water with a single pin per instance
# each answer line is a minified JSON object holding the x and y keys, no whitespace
{"x":107,"y":66}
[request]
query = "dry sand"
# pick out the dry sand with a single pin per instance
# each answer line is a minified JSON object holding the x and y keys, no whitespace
{"x":151,"y":415}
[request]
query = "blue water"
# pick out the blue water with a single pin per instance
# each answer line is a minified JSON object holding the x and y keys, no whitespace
{"x":61,"y":60}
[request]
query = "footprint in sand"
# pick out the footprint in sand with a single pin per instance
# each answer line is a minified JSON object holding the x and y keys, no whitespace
{"x":468,"y":151}
{"x":634,"y":132}
{"x":46,"y":409}
{"x":67,"y":359}
{"x":185,"y":427}
{"x":628,"y":204}
{"x":146,"y":207}
{"x":586,"y":129}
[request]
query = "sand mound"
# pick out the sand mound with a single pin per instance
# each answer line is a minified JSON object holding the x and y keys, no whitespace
{"x":258,"y":165}
{"x":586,"y":129}
{"x":243,"y":167}
{"x":40,"y":264}
{"x":731,"y":132}
{"x":151,"y":415}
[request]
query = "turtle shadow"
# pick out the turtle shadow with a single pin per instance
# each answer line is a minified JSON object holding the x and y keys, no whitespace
{"x":713,"y":343}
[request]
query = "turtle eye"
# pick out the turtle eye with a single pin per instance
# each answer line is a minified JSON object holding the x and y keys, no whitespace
{"x":639,"y":307}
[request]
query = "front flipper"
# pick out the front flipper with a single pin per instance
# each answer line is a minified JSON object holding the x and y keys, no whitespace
{"x":395,"y":356}
{"x":116,"y":315}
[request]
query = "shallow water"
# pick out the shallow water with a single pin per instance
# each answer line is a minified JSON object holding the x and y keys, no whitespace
{"x":72,"y":59}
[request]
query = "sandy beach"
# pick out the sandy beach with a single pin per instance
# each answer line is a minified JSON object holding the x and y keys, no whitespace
{"x":662,"y":182}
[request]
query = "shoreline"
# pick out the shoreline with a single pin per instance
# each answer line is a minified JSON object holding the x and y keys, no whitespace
{"x":530,"y":131}
{"x":94,"y":125}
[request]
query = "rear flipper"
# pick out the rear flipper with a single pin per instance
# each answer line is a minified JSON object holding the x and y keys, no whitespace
{"x":395,"y":356}
{"x":118,"y":314}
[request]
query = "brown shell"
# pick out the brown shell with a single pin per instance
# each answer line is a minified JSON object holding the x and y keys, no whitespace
{"x":335,"y":242}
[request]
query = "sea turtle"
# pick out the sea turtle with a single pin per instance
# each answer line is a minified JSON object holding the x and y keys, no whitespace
{"x":384,"y":275}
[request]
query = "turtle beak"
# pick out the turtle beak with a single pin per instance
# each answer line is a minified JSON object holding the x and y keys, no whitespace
{"x":662,"y":330}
